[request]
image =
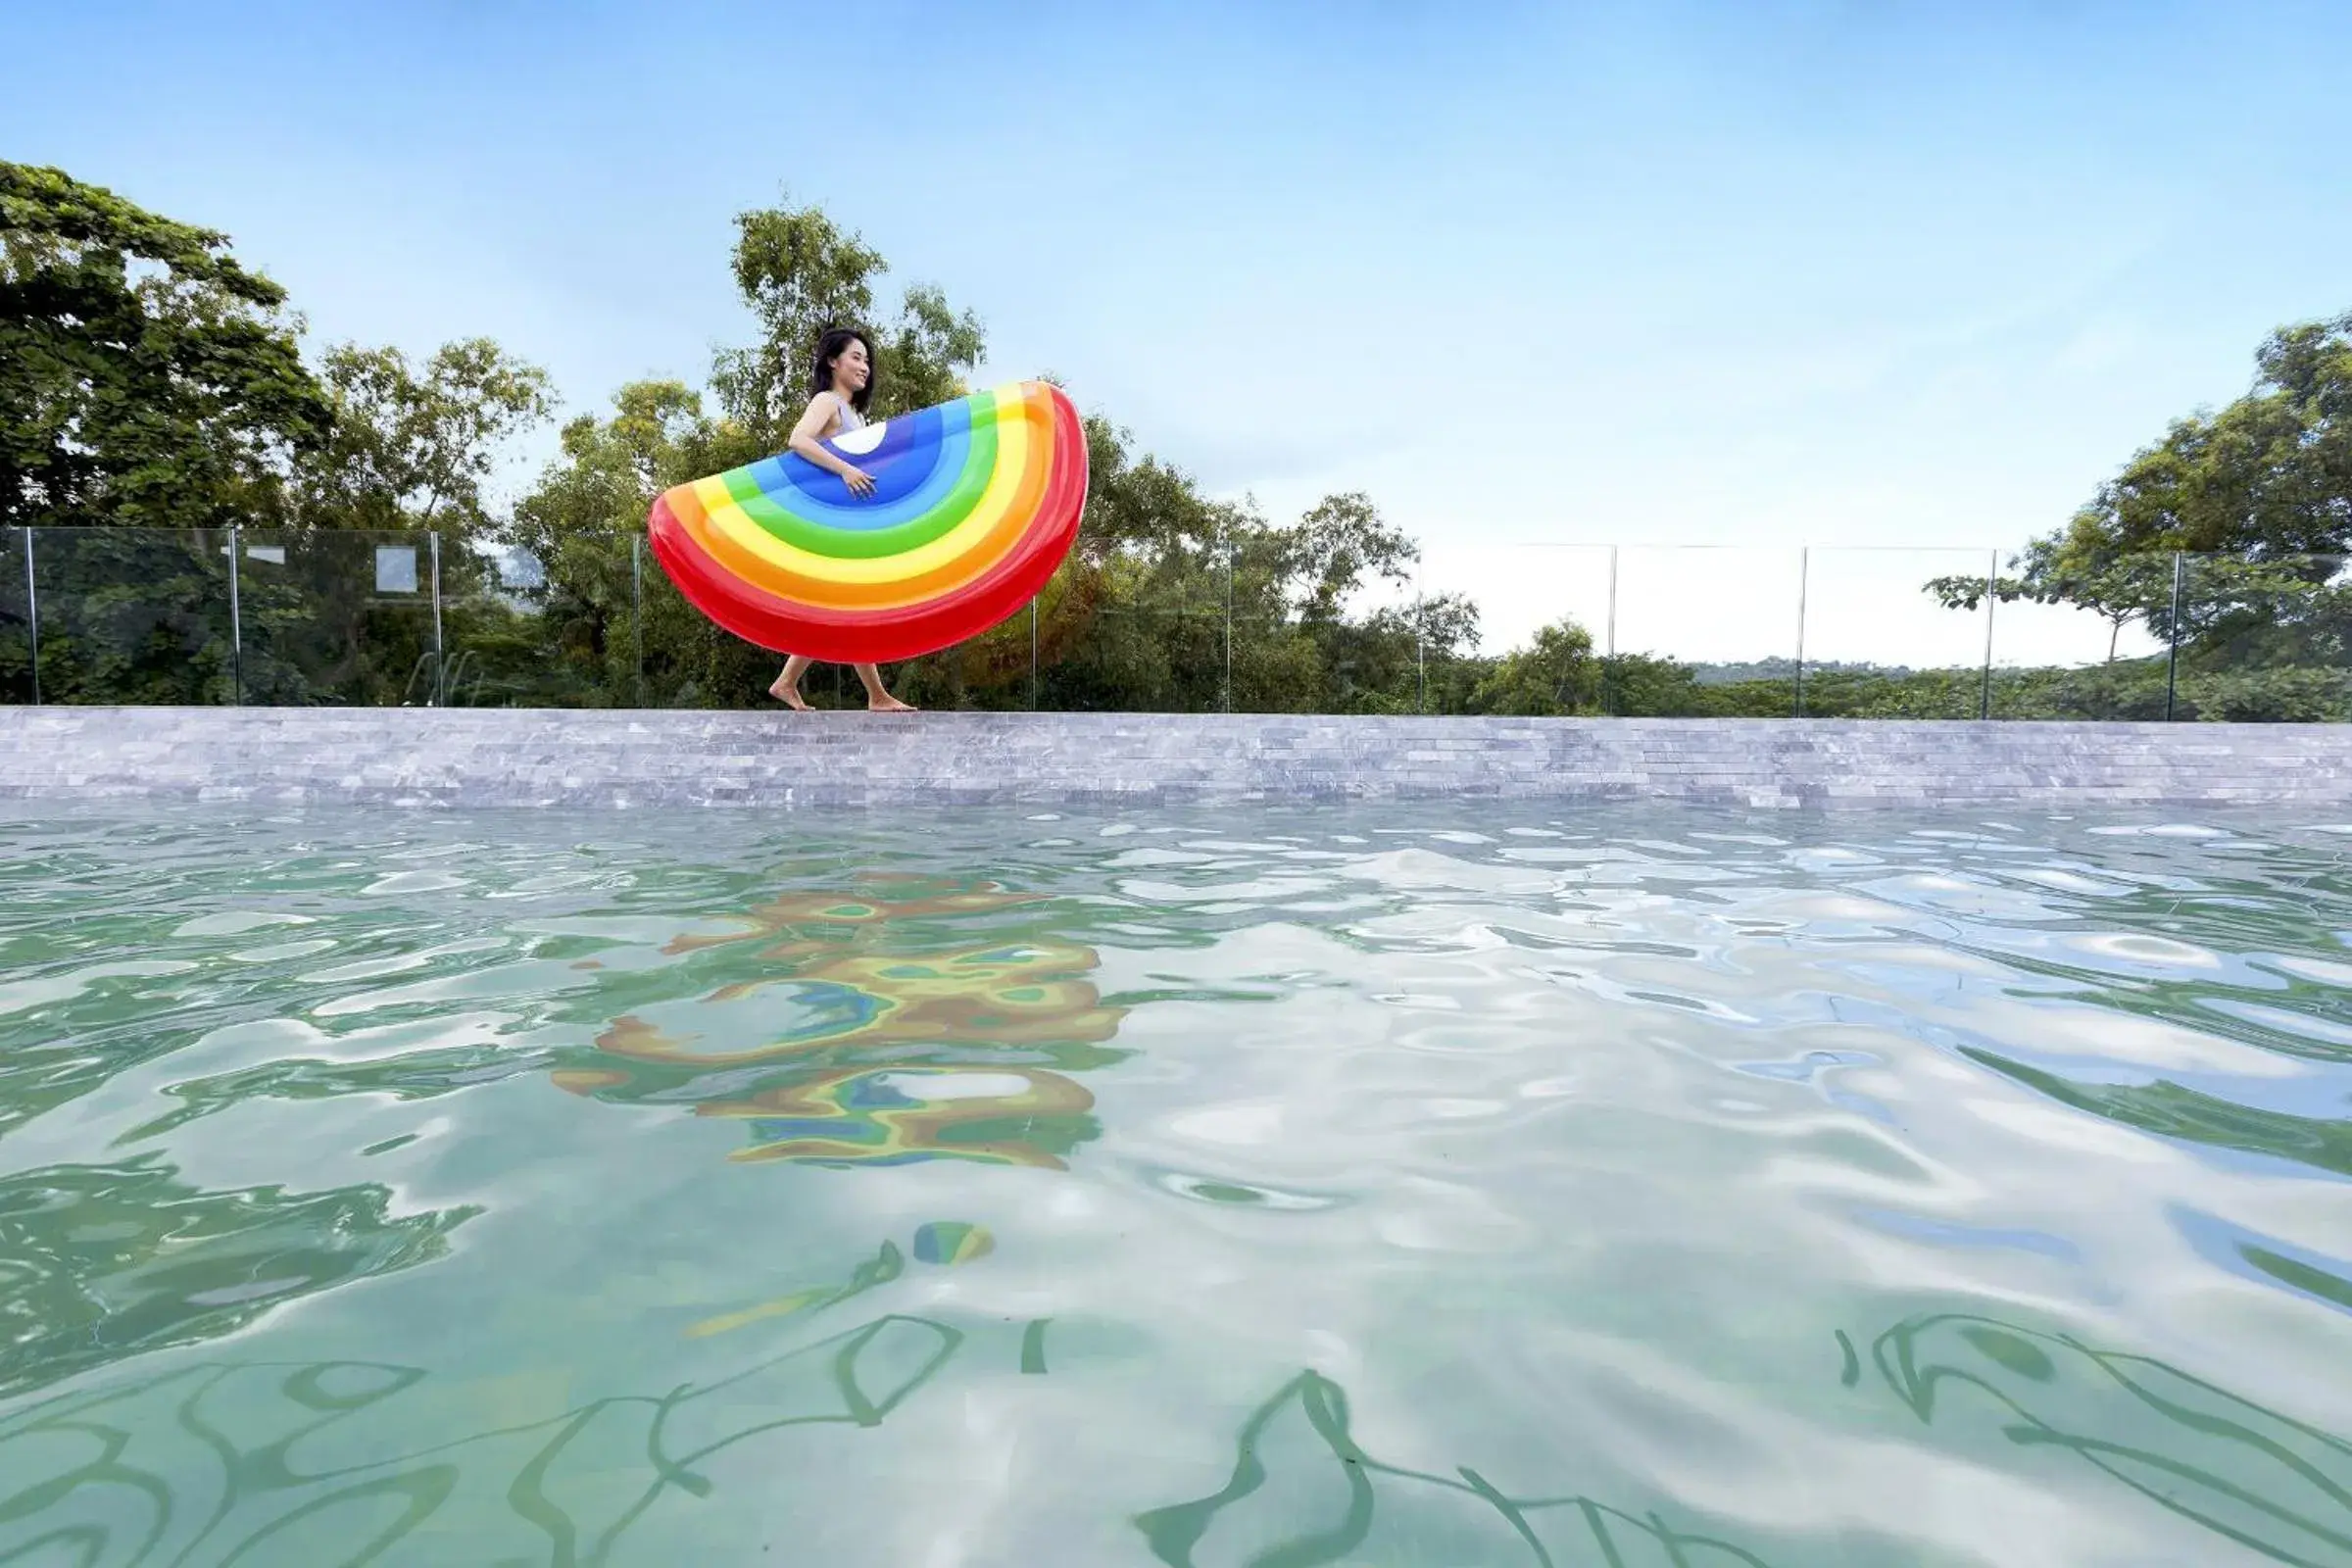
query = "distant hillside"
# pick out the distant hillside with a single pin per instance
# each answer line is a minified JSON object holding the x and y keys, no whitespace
{"x":1786,"y":669}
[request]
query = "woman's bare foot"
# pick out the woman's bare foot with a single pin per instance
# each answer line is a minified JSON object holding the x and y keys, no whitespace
{"x":789,"y":695}
{"x":877,"y":696}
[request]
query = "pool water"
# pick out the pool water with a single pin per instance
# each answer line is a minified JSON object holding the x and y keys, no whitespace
{"x":1277,"y":1186}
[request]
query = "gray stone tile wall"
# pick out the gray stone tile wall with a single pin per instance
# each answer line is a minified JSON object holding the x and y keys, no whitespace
{"x":516,"y":757}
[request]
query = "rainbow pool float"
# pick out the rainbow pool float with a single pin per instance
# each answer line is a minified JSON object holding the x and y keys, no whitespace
{"x":974,"y":504}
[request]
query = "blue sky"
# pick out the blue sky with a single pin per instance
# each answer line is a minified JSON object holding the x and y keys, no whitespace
{"x":1757,"y":274}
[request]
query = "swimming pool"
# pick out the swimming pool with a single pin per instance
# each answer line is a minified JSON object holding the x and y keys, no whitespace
{"x":1393,"y":1185}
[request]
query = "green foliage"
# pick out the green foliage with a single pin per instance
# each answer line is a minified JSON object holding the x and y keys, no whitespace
{"x":2117,"y":588}
{"x":412,"y":447}
{"x":800,"y":274}
{"x":2259,"y":496}
{"x":1557,"y":674}
{"x":2283,"y":695}
{"x":2269,"y":476}
{"x":149,"y":381}
{"x":577,"y":522}
{"x":134,"y":617}
{"x":2124,"y":690}
{"x":145,"y":378}
{"x":1140,"y":617}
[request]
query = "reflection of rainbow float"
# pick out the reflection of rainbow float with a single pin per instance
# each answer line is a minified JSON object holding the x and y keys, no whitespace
{"x":894,"y":1116}
{"x":904,"y":1115}
{"x":975,"y":503}
{"x":899,"y":1058}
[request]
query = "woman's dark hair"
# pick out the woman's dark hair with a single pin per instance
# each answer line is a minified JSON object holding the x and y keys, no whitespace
{"x":828,"y":349}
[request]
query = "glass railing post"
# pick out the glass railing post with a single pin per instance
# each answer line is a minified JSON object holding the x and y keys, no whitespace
{"x":440,"y":653}
{"x":1608,"y":692}
{"x":1993,"y":572}
{"x":1225,"y":548}
{"x":32,"y":619}
{"x":637,"y":612}
{"x":1420,"y":642}
{"x":2171,"y":640}
{"x":1804,"y":578}
{"x":237,"y":617}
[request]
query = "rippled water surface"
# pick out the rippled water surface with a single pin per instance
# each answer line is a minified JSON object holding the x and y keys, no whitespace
{"x":1363,"y":1186}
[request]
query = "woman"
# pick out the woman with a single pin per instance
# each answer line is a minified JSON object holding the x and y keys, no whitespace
{"x":844,"y":384}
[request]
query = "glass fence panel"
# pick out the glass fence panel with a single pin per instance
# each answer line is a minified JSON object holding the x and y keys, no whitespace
{"x":133,"y":616}
{"x":338,"y":619}
{"x":1059,"y":621}
{"x":138,"y":615}
{"x":1274,"y":629}
{"x":1370,"y":655}
{"x":520,"y":635}
{"x":1515,"y":628}
{"x":1273,"y":665}
{"x":1138,"y":628}
{"x":2264,"y":641}
{"x":2096,"y":653}
{"x":988,"y":672}
{"x":831,"y":686}
{"x":1303,"y":664}
{"x":1895,"y":633}
{"x":16,"y":678}
{"x":1270,"y":662}
{"x":1705,"y":632}
{"x":683,"y":660}
{"x":1136,"y":657}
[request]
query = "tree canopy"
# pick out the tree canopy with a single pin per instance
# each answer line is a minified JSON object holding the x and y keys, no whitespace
{"x":2268,"y":476}
{"x":145,"y":376}
{"x":413,"y":446}
{"x":2257,"y":497}
{"x":800,"y":273}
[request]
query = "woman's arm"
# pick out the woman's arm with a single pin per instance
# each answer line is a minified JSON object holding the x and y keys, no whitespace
{"x":804,"y":434}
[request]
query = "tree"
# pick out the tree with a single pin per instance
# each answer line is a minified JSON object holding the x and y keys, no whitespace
{"x":2263,"y":486}
{"x":2269,"y":476}
{"x":148,"y":378}
{"x":1373,"y":660}
{"x":579,"y":523}
{"x":2116,"y":587}
{"x":1555,"y":674}
{"x":412,"y":448}
{"x":1186,"y":604}
{"x":145,"y":376}
{"x":1340,"y":546}
{"x":338,"y":608}
{"x":800,"y":274}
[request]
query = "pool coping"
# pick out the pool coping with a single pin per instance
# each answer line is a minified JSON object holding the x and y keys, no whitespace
{"x":658,"y":758}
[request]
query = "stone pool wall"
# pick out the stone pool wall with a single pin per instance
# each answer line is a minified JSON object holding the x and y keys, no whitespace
{"x":516,"y":757}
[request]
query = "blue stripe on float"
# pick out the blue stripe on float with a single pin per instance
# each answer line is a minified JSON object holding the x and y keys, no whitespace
{"x":913,"y":474}
{"x":785,"y":471}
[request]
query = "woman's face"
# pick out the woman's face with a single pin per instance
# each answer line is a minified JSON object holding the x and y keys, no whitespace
{"x":851,"y":368}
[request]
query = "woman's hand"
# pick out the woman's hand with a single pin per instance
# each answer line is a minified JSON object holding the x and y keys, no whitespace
{"x":860,"y":482}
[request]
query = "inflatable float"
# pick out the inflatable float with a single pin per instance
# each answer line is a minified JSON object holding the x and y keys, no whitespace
{"x":974,"y":504}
